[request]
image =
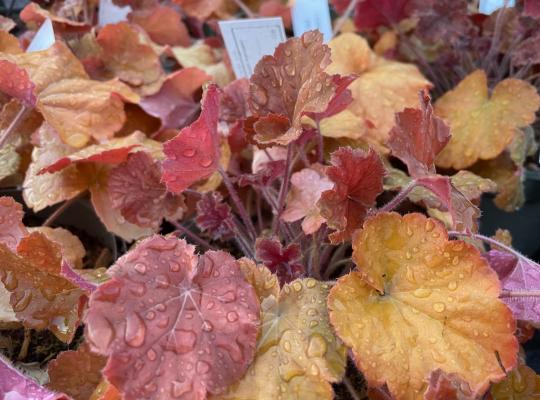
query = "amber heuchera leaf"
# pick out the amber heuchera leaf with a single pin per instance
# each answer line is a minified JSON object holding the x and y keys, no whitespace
{"x":71,"y":247}
{"x":40,"y":296}
{"x":297,"y":351}
{"x":520,"y":384}
{"x":383,"y":87}
{"x":76,"y":372}
{"x":136,"y":191}
{"x":14,"y":385}
{"x":424,"y":303}
{"x":12,"y":229}
{"x":482,"y":125}
{"x":357,"y":178}
{"x":193,"y":154}
{"x":169,"y":320}
{"x":163,"y":24}
{"x":418,"y":137}
{"x":288,"y":85}
{"x":307,"y":187}
{"x":128,"y":56}
{"x":174,"y":104}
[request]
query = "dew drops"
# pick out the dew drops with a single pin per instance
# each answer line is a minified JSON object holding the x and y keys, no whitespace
{"x":232,"y":316}
{"x":439,"y":307}
{"x":452,"y":285}
{"x":311,"y":283}
{"x":203,"y":367}
{"x":287,"y":346}
{"x":151,"y":354}
{"x":207,"y":326}
{"x":422,"y":293}
{"x":140,"y":268}
{"x":317,"y":346}
{"x":297,"y":286}
{"x":178,"y":389}
{"x":206,"y":162}
{"x":23,"y":301}
{"x":189,"y":152}
{"x":135,"y":331}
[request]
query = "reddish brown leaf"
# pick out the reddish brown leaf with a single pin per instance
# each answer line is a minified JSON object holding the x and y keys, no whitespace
{"x":174,"y":104}
{"x":214,"y":216}
{"x":76,"y":372}
{"x":418,"y":137}
{"x":12,"y":229}
{"x":289,"y":84}
{"x":194,"y":153}
{"x":282,"y":261}
{"x":371,"y":14}
{"x":448,"y":387}
{"x":15,"y":82}
{"x":357,"y":178}
{"x":34,"y":16}
{"x":276,"y":8}
{"x":40,"y":296}
{"x":169,"y":320}
{"x":200,"y":9}
{"x":163,"y":24}
{"x":233,"y":110}
{"x":136,"y":191}
{"x":341,"y":100}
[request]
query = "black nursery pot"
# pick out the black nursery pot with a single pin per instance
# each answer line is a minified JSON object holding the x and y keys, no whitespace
{"x":523,"y":224}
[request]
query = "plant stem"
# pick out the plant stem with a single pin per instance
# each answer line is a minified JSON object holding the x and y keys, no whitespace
{"x":245,"y":8}
{"x":488,"y":240}
{"x":350,"y":387}
{"x":398,"y":198}
{"x":10,"y":130}
{"x":23,"y":352}
{"x":520,"y":293}
{"x":238,"y":203}
{"x":320,"y":143}
{"x":283,"y":190}
{"x":193,"y":236}
{"x":341,"y":20}
{"x":60,"y":210}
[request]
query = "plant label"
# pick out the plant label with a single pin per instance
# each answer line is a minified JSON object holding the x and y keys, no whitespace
{"x":44,"y":37}
{"x":248,"y":40}
{"x":110,"y":13}
{"x":308,"y":15}
{"x":489,"y":6}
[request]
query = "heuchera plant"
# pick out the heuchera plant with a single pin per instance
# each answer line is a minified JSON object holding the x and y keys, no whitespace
{"x":270,"y":229}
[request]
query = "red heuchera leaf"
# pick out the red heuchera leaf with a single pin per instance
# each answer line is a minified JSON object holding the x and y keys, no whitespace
{"x":448,"y":387}
{"x":135,"y":189}
{"x":418,"y":137}
{"x":464,"y":213}
{"x":41,"y":297}
{"x":233,"y":110}
{"x":194,"y":153}
{"x":341,"y":100}
{"x":12,"y":229}
{"x":289,"y":84}
{"x":16,"y":386}
{"x":15,"y":82}
{"x":170,"y":320}
{"x":33,"y":14}
{"x":357,"y":178}
{"x":174,"y":104}
{"x":532,"y":8}
{"x":76,"y":372}
{"x":282,"y":261}
{"x":163,"y":24}
{"x":371,"y":14}
{"x":213,"y":216}
{"x":276,"y":8}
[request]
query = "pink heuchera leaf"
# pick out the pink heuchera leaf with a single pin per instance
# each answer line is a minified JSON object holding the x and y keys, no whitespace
{"x":135,"y":189}
{"x":173,"y":324}
{"x":357,"y":178}
{"x":282,"y":261}
{"x":307,"y":187}
{"x":16,"y":386}
{"x":16,"y":82}
{"x":174,"y":104}
{"x":501,"y":261}
{"x":193,"y":154}
{"x":214,"y":216}
{"x":418,"y":137}
{"x":12,"y":229}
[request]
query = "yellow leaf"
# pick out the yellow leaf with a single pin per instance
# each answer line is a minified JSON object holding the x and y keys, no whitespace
{"x":419,"y":302}
{"x":482,"y":125}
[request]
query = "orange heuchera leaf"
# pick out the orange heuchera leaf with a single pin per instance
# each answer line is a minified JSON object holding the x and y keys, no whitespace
{"x":15,"y":82}
{"x":423,"y":303}
{"x":6,"y":24}
{"x":383,"y":87}
{"x":72,"y":249}
{"x":298,"y":354}
{"x":40,"y":296}
{"x":9,"y":43}
{"x":106,"y":391}
{"x":307,"y":187}
{"x":33,"y":15}
{"x":193,"y":154}
{"x":289,"y":84}
{"x":521,"y":384}
{"x":482,"y":125}
{"x":76,"y":372}
{"x":174,"y":104}
{"x":128,"y":56}
{"x":172,"y":321}
{"x":418,"y":137}
{"x":12,"y":229}
{"x":357,"y":178}
{"x":200,"y":9}
{"x":136,"y":191}
{"x":163,"y":24}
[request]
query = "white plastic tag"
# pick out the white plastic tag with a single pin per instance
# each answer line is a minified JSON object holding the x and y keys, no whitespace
{"x":110,"y":13}
{"x":43,"y":39}
{"x":489,"y":6}
{"x":248,"y":40}
{"x":308,"y":15}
